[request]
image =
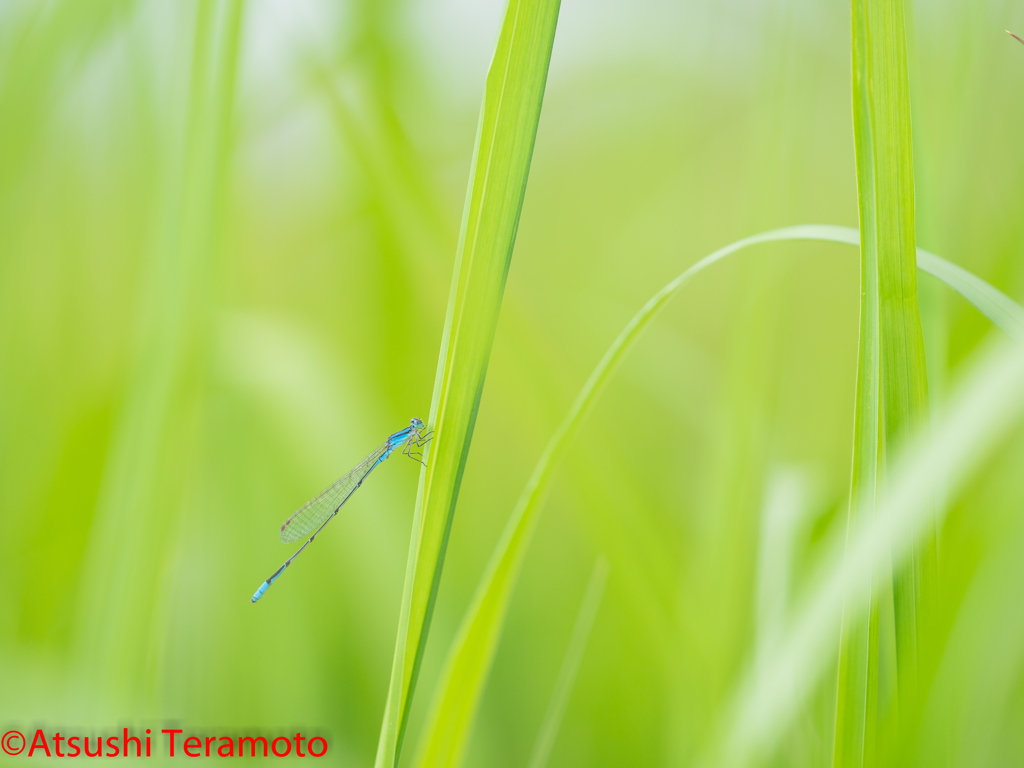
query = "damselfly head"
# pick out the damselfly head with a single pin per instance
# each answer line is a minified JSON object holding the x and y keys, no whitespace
{"x":416,"y":423}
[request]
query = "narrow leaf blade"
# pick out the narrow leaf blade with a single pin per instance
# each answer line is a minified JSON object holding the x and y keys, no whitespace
{"x":504,"y":147}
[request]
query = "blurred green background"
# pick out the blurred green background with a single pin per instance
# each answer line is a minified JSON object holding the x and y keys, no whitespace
{"x":226,"y":239}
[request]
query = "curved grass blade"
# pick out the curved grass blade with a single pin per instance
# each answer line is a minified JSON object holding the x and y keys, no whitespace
{"x":1005,"y":313}
{"x":469,"y":659}
{"x":504,"y":146}
{"x":570,"y":664}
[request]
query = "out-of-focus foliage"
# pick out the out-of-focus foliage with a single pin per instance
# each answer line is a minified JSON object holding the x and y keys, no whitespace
{"x":226,"y":240}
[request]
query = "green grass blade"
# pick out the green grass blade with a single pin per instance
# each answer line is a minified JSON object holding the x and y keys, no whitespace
{"x":852,"y":723}
{"x":892,"y":382}
{"x":570,"y":664}
{"x":981,"y":413}
{"x":472,"y":651}
{"x":785,"y":513}
{"x":903,"y":369}
{"x":508,"y":127}
{"x":892,"y":177}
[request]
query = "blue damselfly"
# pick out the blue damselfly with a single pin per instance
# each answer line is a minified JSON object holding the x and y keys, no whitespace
{"x":318,"y":511}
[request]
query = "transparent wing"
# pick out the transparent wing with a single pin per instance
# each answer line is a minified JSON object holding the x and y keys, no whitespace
{"x":315,"y":511}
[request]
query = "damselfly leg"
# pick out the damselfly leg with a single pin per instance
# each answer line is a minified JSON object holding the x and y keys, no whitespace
{"x":417,"y":440}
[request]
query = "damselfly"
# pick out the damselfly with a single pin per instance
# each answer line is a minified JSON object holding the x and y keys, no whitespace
{"x":318,"y":511}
